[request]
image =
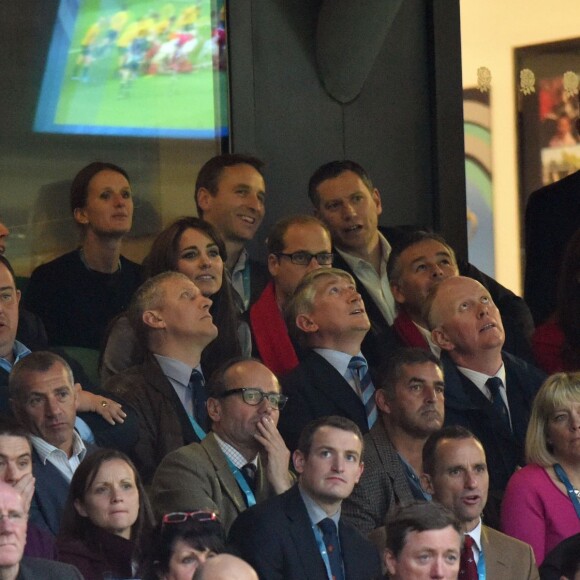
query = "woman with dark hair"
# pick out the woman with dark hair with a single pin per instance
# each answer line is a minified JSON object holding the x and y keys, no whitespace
{"x":556,"y":343}
{"x":180,"y":543}
{"x":106,"y":513}
{"x":77,"y":294}
{"x":193,"y":247}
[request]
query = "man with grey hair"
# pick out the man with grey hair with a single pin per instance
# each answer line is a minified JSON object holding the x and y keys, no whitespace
{"x":44,"y":399}
{"x":171,"y":317}
{"x":327,"y":316}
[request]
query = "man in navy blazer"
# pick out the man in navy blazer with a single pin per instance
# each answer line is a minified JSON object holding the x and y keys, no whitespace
{"x":287,"y":537}
{"x":328,"y":318}
{"x":44,"y":399}
{"x":468,"y":328}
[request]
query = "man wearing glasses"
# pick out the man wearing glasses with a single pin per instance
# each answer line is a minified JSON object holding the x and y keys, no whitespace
{"x":327,"y":316}
{"x":296,"y":246}
{"x":242,"y":461}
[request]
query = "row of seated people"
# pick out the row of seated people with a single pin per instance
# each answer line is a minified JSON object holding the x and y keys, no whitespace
{"x":321,"y":330}
{"x":96,"y":282}
{"x":94,"y":502}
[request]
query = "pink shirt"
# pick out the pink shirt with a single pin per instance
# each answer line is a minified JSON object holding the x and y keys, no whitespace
{"x":535,"y":511}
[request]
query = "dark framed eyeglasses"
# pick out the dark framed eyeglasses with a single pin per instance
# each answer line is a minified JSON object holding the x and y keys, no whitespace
{"x":304,"y":258}
{"x":253,"y":396}
{"x":197,"y":516}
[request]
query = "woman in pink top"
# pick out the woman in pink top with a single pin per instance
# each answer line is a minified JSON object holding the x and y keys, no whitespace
{"x":541,"y":505}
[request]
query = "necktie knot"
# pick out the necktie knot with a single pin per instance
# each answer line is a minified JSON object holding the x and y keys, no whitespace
{"x":327,"y":526}
{"x":249,"y":473}
{"x":357,"y":363}
{"x":494,"y":384}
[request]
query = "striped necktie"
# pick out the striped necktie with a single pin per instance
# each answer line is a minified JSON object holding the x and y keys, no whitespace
{"x":362,"y":377}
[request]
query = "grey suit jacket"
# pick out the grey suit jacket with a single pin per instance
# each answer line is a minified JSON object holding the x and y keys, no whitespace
{"x":39,"y":568}
{"x":197,"y":476}
{"x":382,"y":486}
{"x":507,"y":558}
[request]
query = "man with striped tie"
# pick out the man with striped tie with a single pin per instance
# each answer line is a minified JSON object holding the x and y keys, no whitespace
{"x":326,"y":315}
{"x":410,"y":401}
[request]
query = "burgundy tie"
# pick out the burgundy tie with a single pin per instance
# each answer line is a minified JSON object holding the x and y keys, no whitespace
{"x":467,"y":565}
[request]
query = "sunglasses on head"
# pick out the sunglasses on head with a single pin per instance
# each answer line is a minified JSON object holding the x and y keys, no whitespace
{"x":197,"y":516}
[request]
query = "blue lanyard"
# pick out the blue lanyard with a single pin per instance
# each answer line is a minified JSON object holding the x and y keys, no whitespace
{"x":569,"y":487}
{"x":481,"y":566}
{"x":243,"y":484}
{"x":197,"y":428}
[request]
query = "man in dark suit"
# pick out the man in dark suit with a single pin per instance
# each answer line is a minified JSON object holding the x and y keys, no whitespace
{"x":345,"y":199}
{"x":167,"y":391}
{"x":13,"y":524}
{"x":327,"y":316}
{"x":409,"y":397}
{"x":44,"y":399}
{"x":455,"y":473}
{"x":230,"y":194}
{"x":300,"y":534}
{"x":552,"y":217}
{"x":487,"y":391}
{"x":242,"y":461}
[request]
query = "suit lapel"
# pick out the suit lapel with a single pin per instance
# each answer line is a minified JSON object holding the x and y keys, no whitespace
{"x":335,"y":388}
{"x":224,"y":474}
{"x":161,"y":384}
{"x":497,"y":564}
{"x":300,"y":530}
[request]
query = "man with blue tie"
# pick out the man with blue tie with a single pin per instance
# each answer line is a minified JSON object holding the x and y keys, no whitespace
{"x":300,"y":534}
{"x":171,"y":317}
{"x":327,"y":316}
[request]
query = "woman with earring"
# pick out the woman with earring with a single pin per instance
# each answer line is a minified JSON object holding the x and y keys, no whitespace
{"x":77,"y":294}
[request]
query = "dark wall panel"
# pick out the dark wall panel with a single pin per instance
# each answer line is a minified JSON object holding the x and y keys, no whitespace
{"x":282,"y":112}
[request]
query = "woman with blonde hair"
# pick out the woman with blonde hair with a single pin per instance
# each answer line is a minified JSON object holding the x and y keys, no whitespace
{"x":541,"y":505}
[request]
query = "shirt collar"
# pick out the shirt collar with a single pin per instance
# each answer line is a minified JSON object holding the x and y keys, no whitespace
{"x":175,"y":369}
{"x":476,"y":535}
{"x":336,"y":358}
{"x":44,"y":448}
{"x":19,"y":351}
{"x":479,"y":379}
{"x":233,"y":454}
{"x":240,"y":265}
{"x":354,"y":261}
{"x":315,"y":512}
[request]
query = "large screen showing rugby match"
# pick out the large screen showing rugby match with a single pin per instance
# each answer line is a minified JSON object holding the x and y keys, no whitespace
{"x":140,"y":68}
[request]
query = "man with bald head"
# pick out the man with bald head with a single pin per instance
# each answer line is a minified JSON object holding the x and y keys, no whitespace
{"x":487,"y":390}
{"x":242,"y":461}
{"x":225,"y":567}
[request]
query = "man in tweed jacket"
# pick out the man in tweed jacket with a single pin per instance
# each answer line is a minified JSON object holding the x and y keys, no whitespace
{"x":410,"y":402}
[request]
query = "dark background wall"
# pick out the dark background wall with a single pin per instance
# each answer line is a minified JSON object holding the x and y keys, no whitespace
{"x":404,"y":125}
